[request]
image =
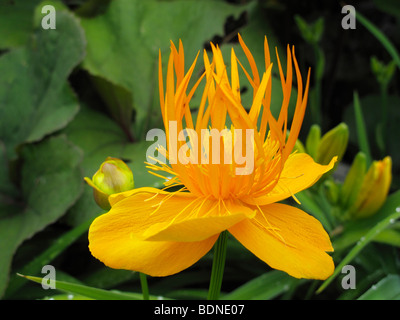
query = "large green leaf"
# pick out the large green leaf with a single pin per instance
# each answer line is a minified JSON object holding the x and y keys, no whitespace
{"x":100,"y":137}
{"x":123,"y":44}
{"x":51,"y":182}
{"x":35,"y":98}
{"x":39,"y":182}
{"x":16,"y":22}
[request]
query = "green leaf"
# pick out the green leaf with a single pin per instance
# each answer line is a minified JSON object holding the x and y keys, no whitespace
{"x":89,"y":292}
{"x":35,"y":98}
{"x":309,"y":205}
{"x":390,"y":236}
{"x":266,"y":286}
{"x":386,"y":289}
{"x":100,"y":137}
{"x":16,"y":22}
{"x":97,"y":135}
{"x":67,"y":297}
{"x":51,"y":182}
{"x":124,"y":43}
{"x":7,"y":188}
{"x":118,"y":101}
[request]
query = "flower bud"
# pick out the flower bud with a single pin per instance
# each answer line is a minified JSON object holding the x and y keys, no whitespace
{"x":374,"y":189}
{"x":331,"y":191}
{"x":313,"y":140}
{"x":383,"y":73}
{"x":311,"y":32}
{"x":114,"y":176}
{"x":354,"y":180}
{"x":333,"y":143}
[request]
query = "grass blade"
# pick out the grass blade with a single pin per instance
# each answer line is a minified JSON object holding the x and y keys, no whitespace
{"x":391,"y":49}
{"x":90,"y":292}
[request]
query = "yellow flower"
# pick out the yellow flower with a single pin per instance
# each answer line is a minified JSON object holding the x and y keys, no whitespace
{"x":161,"y":233}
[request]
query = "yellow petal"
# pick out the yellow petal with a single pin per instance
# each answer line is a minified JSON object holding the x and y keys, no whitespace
{"x":117,"y":197}
{"x":200,"y":219}
{"x":287,"y":239}
{"x":299,"y":172}
{"x":112,"y":243}
{"x":164,"y":216}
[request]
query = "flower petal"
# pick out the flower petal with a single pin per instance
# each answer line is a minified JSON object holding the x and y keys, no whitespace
{"x":287,"y":239}
{"x":111,"y":242}
{"x":116,"y":197}
{"x":165,"y":216}
{"x":299,"y":172}
{"x":199,"y":220}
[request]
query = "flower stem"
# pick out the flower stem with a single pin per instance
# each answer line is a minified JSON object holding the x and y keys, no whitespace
{"x":218,"y":266}
{"x":145,"y":287}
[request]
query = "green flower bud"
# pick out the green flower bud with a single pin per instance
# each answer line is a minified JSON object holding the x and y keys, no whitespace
{"x":114,"y":176}
{"x":299,"y":147}
{"x":313,"y":140}
{"x":333,"y":143}
{"x":311,"y":32}
{"x":354,"y":180}
{"x":383,"y":73}
{"x":331,"y":191}
{"x":374,"y":189}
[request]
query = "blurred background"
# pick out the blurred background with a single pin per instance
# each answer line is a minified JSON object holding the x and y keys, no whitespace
{"x":80,"y":83}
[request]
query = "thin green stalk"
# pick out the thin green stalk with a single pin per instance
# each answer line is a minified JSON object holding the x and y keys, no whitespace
{"x":145,"y":287}
{"x":382,"y":127}
{"x":391,"y":49}
{"x":361,"y":129}
{"x":218,"y":266}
